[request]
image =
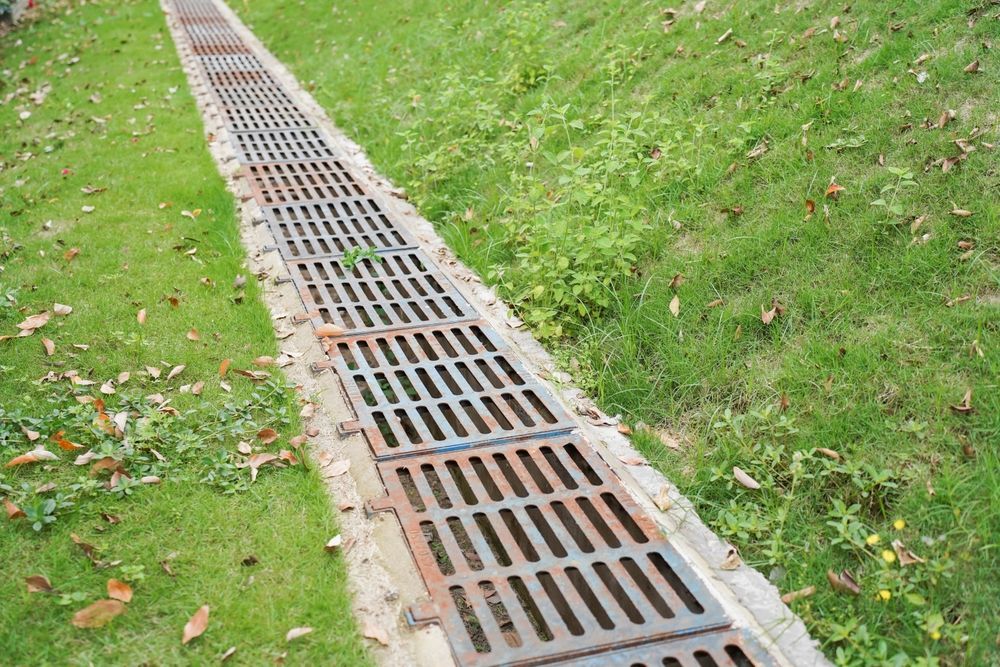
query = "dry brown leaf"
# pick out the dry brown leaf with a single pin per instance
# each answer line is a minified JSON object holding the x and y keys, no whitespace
{"x":675,"y":306}
{"x":267,"y":435}
{"x":263,"y":361}
{"x":295,"y":633}
{"x":224,"y":367}
{"x":843,"y":582}
{"x":258,"y":460}
{"x":153,"y":372}
{"x":193,"y":335}
{"x":624,"y":428}
{"x":36,"y":583}
{"x":197,"y":388}
{"x":328,"y":330}
{"x":337,"y":468}
{"x":677,"y":280}
{"x":141,"y":316}
{"x":972,"y":67}
{"x":333,"y":544}
{"x":50,"y":347}
{"x":633,"y":460}
{"x":228,"y":654}
{"x":715,"y":303}
{"x":662,"y":499}
{"x":767,"y":315}
{"x":744,"y":479}
{"x":61,"y":309}
{"x":30,"y":435}
{"x":961,"y":213}
{"x":196,"y":626}
{"x":36,"y":455}
{"x":34,"y":322}
{"x":13,"y":511}
{"x":732,"y":560}
{"x":828,"y":453}
{"x":63,"y":443}
{"x":175,"y":371}
{"x":905,"y":556}
{"x":965,"y":406}
{"x":119,"y":590}
{"x":791,"y":597}
{"x":244,"y":448}
{"x":98,"y":614}
{"x":834,"y":190}
{"x":374,"y":631}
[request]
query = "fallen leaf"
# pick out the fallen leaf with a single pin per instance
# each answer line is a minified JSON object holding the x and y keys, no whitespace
{"x":675,"y":306}
{"x":295,"y":633}
{"x":732,"y":560}
{"x":337,"y":468}
{"x":193,"y":335}
{"x":13,"y":511}
{"x":244,"y":448}
{"x":374,"y":631}
{"x":965,"y":406}
{"x":192,"y":214}
{"x":150,"y":479}
{"x":263,"y":361}
{"x":715,"y":303}
{"x":662,"y":499}
{"x":833,"y":190}
{"x":633,"y":460}
{"x":36,"y":583}
{"x":810,"y":208}
{"x":141,"y":316}
{"x":70,"y":254}
{"x":961,"y":213}
{"x":624,"y":428}
{"x":196,"y":626}
{"x":63,"y":443}
{"x":258,"y":460}
{"x":745,"y":479}
{"x":972,"y":67}
{"x":30,"y":435}
{"x":267,"y":435}
{"x":905,"y":556}
{"x":224,"y":367}
{"x":333,"y":544}
{"x":119,"y":590}
{"x":789,"y":598}
{"x":828,"y":453}
{"x":328,"y":330}
{"x":153,"y":372}
{"x":36,"y":455}
{"x":98,"y":614}
{"x":767,"y":315}
{"x":61,"y":309}
{"x":175,"y":371}
{"x":197,"y":387}
{"x":228,"y":654}
{"x":843,"y":582}
{"x":34,"y":322}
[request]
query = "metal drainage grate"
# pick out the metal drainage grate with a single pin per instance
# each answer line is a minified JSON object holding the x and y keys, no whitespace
{"x":254,"y":96}
{"x":217,"y":49}
{"x":441,"y":387}
{"x":233,"y":63}
{"x":242,"y":78}
{"x":289,"y":182}
{"x":243,"y":119}
{"x":281,"y":145}
{"x":400,"y":290}
{"x":318,"y":229}
{"x":717,"y":649}
{"x":535,"y":552}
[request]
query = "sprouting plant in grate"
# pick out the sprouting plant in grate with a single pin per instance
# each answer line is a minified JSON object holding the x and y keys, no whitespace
{"x":354,"y":255}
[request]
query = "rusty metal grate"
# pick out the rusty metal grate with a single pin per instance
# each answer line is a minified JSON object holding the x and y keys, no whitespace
{"x":535,"y":552}
{"x":281,"y":145}
{"x":318,"y":229}
{"x":231,"y":63}
{"x":398,"y":290}
{"x":441,"y":387}
{"x":217,"y":49}
{"x":718,"y":649}
{"x":254,"y":96}
{"x":242,"y":78}
{"x":242,"y":119}
{"x":289,"y":182}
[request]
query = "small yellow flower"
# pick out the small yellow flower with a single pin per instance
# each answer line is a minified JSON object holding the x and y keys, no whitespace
{"x":888,"y":556}
{"x":899,"y":524}
{"x":884,"y":595}
{"x":936,"y":635}
{"x":873,"y":539}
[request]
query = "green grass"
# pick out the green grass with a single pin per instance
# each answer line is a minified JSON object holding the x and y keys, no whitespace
{"x":580,"y":156}
{"x":147,"y":148}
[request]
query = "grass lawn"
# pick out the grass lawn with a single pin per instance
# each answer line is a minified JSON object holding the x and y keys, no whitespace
{"x":95,"y":99}
{"x":770,"y":227}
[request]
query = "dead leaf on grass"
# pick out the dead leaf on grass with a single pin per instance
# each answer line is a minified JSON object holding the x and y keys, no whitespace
{"x":119,"y":590}
{"x":675,"y":306}
{"x":267,"y":435}
{"x":196,"y":626}
{"x":662,"y":499}
{"x":833,"y":190}
{"x":50,"y":347}
{"x":36,"y":583}
{"x":791,"y":597}
{"x":965,"y":407}
{"x":732,"y":560}
{"x":905,"y":556}
{"x":98,"y":614}
{"x":140,"y":317}
{"x":61,"y":309}
{"x":295,"y":633}
{"x":333,"y":544}
{"x":374,"y":631}
{"x":224,"y":367}
{"x":843,"y":582}
{"x":36,"y":455}
{"x":13,"y":511}
{"x":337,"y":468}
{"x":633,"y":460}
{"x":744,"y":479}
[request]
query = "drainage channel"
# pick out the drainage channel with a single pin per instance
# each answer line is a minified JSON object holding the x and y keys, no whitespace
{"x":531,"y":549}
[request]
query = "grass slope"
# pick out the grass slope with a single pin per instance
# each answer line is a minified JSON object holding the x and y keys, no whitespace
{"x":583,"y":155}
{"x":117,"y":114}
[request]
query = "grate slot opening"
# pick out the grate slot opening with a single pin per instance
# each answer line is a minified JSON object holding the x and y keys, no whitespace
{"x":624,"y":517}
{"x":572,"y":527}
{"x":384,"y":430}
{"x":582,"y":465}
{"x":704,"y":659}
{"x":675,"y":583}
{"x":562,"y":607}
{"x":536,"y":474}
{"x":586,"y":594}
{"x":555,"y":546}
{"x":492,"y":539}
{"x":647,"y":588}
{"x":436,"y":487}
{"x":465,"y":544}
{"x":738,"y":656}
{"x":598,"y":522}
{"x":410,"y":489}
{"x":486,"y":479}
{"x":477,"y":420}
{"x":530,"y":608}
{"x":558,"y":468}
{"x":507,"y":630}
{"x":457,"y":476}
{"x":498,"y":416}
{"x":436,"y":547}
{"x":512,"y":479}
{"x":518,"y":534}
{"x":453,"y":421}
{"x":618,"y":593}
{"x":470,"y":620}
